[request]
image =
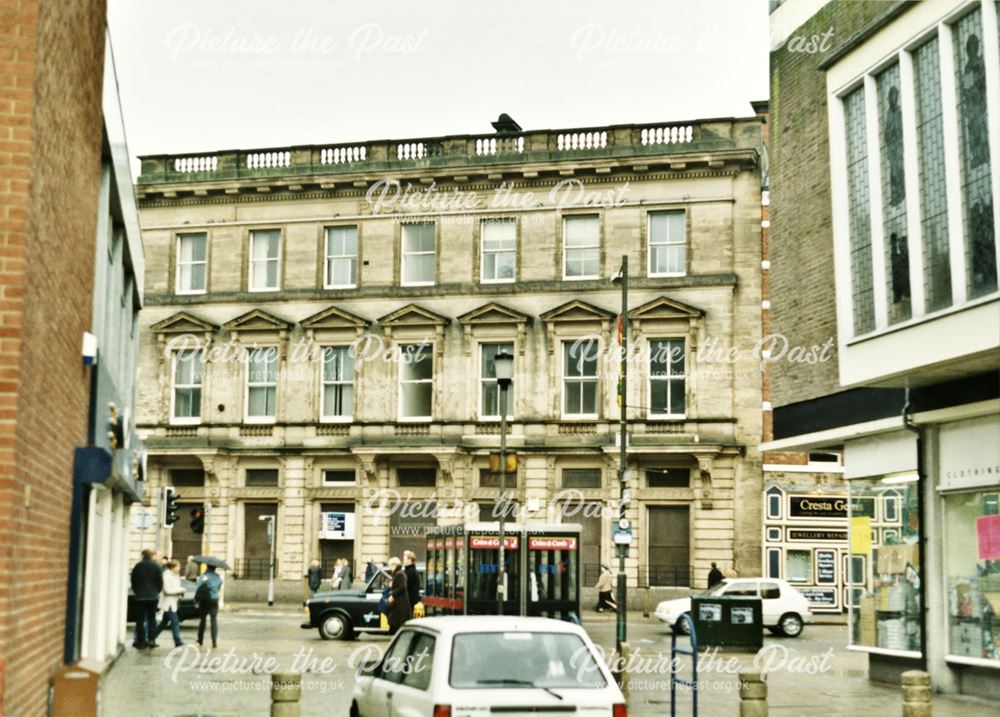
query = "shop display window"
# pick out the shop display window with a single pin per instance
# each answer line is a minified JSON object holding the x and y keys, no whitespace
{"x":972,"y":573}
{"x":885,"y":610}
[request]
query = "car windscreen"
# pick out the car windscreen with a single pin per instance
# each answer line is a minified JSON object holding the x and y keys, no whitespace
{"x":546,"y":660}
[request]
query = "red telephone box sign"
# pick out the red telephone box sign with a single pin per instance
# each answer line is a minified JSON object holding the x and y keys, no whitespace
{"x":485,"y":542}
{"x":551,"y":543}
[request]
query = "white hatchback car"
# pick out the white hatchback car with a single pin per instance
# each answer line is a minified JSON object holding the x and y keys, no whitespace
{"x":458,"y":666}
{"x":783,"y":608}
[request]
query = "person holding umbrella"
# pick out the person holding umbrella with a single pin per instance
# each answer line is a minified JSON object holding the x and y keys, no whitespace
{"x":206,"y":595}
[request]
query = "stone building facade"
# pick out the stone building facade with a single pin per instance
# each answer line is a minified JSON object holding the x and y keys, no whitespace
{"x":321,"y":324}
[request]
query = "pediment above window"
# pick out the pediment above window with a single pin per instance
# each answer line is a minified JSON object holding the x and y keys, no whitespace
{"x":412,"y":316}
{"x":664,"y":309}
{"x":183,"y":323}
{"x":577,"y":311}
{"x":257,"y":320}
{"x":493,"y":314}
{"x":334,"y":319}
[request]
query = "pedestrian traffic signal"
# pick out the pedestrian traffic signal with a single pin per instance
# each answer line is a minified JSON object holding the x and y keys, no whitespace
{"x":170,"y":497}
{"x":197,"y":521}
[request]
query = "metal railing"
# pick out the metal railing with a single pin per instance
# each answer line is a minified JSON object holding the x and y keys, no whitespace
{"x":253,"y":568}
{"x":666,"y":576}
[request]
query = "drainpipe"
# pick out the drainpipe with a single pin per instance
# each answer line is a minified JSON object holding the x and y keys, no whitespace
{"x":921,"y":517}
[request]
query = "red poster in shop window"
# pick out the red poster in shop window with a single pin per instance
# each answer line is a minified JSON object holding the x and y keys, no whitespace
{"x":484,"y":542}
{"x":551,"y":543}
{"x":988,"y":532}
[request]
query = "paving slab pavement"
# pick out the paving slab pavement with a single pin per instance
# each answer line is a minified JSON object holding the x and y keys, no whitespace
{"x":233,"y":681}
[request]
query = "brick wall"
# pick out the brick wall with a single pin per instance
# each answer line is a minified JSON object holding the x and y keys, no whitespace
{"x":51,"y":65}
{"x":801,"y":242}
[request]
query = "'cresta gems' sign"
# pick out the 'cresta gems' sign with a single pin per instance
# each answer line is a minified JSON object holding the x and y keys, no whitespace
{"x":812,"y":506}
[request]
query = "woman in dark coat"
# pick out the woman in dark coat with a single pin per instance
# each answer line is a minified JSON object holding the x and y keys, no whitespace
{"x":400,"y":609}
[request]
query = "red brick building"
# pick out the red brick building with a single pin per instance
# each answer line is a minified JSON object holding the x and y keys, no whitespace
{"x":59,"y":189}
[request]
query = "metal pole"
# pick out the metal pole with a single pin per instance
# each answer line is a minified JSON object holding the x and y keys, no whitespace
{"x":622,"y":454}
{"x":501,"y":572}
{"x":270,"y":579}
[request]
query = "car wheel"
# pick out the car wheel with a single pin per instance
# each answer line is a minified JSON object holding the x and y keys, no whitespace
{"x":790,"y":625}
{"x":681,"y":626}
{"x":334,"y":626}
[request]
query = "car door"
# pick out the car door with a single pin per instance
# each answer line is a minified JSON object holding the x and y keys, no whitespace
{"x":413,"y":695}
{"x":386,"y":677}
{"x":772,"y":601}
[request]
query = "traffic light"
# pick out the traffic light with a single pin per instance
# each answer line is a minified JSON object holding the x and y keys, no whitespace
{"x":197,"y":521}
{"x":170,"y":516}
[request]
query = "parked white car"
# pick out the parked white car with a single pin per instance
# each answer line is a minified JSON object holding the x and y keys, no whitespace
{"x":459,"y":666}
{"x":784,"y":609}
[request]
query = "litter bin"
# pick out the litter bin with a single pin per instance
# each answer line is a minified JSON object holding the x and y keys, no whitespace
{"x":729,"y":622}
{"x":75,"y":690}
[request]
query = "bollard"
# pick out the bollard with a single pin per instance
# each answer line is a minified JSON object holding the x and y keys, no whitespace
{"x":621,"y":673}
{"x":286,"y":690}
{"x":916,"y":694}
{"x":753,"y":695}
{"x":645,"y":604}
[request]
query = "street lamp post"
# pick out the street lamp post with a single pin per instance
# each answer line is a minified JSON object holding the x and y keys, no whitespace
{"x":270,"y":564}
{"x":503,"y":364}
{"x":622,"y":278}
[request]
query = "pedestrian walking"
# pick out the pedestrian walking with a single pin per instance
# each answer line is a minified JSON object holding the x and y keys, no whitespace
{"x":371,"y":570}
{"x":207,"y":597}
{"x":191,"y":569}
{"x":147,"y":582}
{"x":172,"y":592}
{"x":604,"y":586}
{"x":314,"y":577}
{"x":338,"y":568}
{"x":714,"y":576}
{"x":346,"y":577}
{"x":400,"y":609}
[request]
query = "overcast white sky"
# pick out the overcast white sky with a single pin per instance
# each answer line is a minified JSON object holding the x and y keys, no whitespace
{"x":197,"y":76}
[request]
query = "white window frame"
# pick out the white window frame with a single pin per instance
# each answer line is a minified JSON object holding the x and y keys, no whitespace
{"x":649,"y":243}
{"x":174,"y":386}
{"x":180,"y":263}
{"x":682,"y":379}
{"x":482,"y":381}
{"x":403,"y":254}
{"x":323,"y":383}
{"x":563,"y":379}
{"x":328,"y":257}
{"x":483,"y":252}
{"x":247,"y":418}
{"x":575,"y":217}
{"x":277,"y":260}
{"x":400,"y":353}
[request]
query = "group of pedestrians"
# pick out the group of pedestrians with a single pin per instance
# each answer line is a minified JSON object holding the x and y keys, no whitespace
{"x":156,"y":586}
{"x":342,"y":578}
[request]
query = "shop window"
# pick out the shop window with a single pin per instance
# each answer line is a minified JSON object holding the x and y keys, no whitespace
{"x":774,"y":534}
{"x":774,"y":502}
{"x":886,"y":614}
{"x":972,"y":573}
{"x":798,"y":566}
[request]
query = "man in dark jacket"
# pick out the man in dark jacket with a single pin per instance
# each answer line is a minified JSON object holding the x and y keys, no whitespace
{"x":371,"y":570}
{"x":314,"y":577}
{"x":412,"y":577}
{"x":714,"y":576}
{"x":147,"y":583}
{"x":399,"y":599}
